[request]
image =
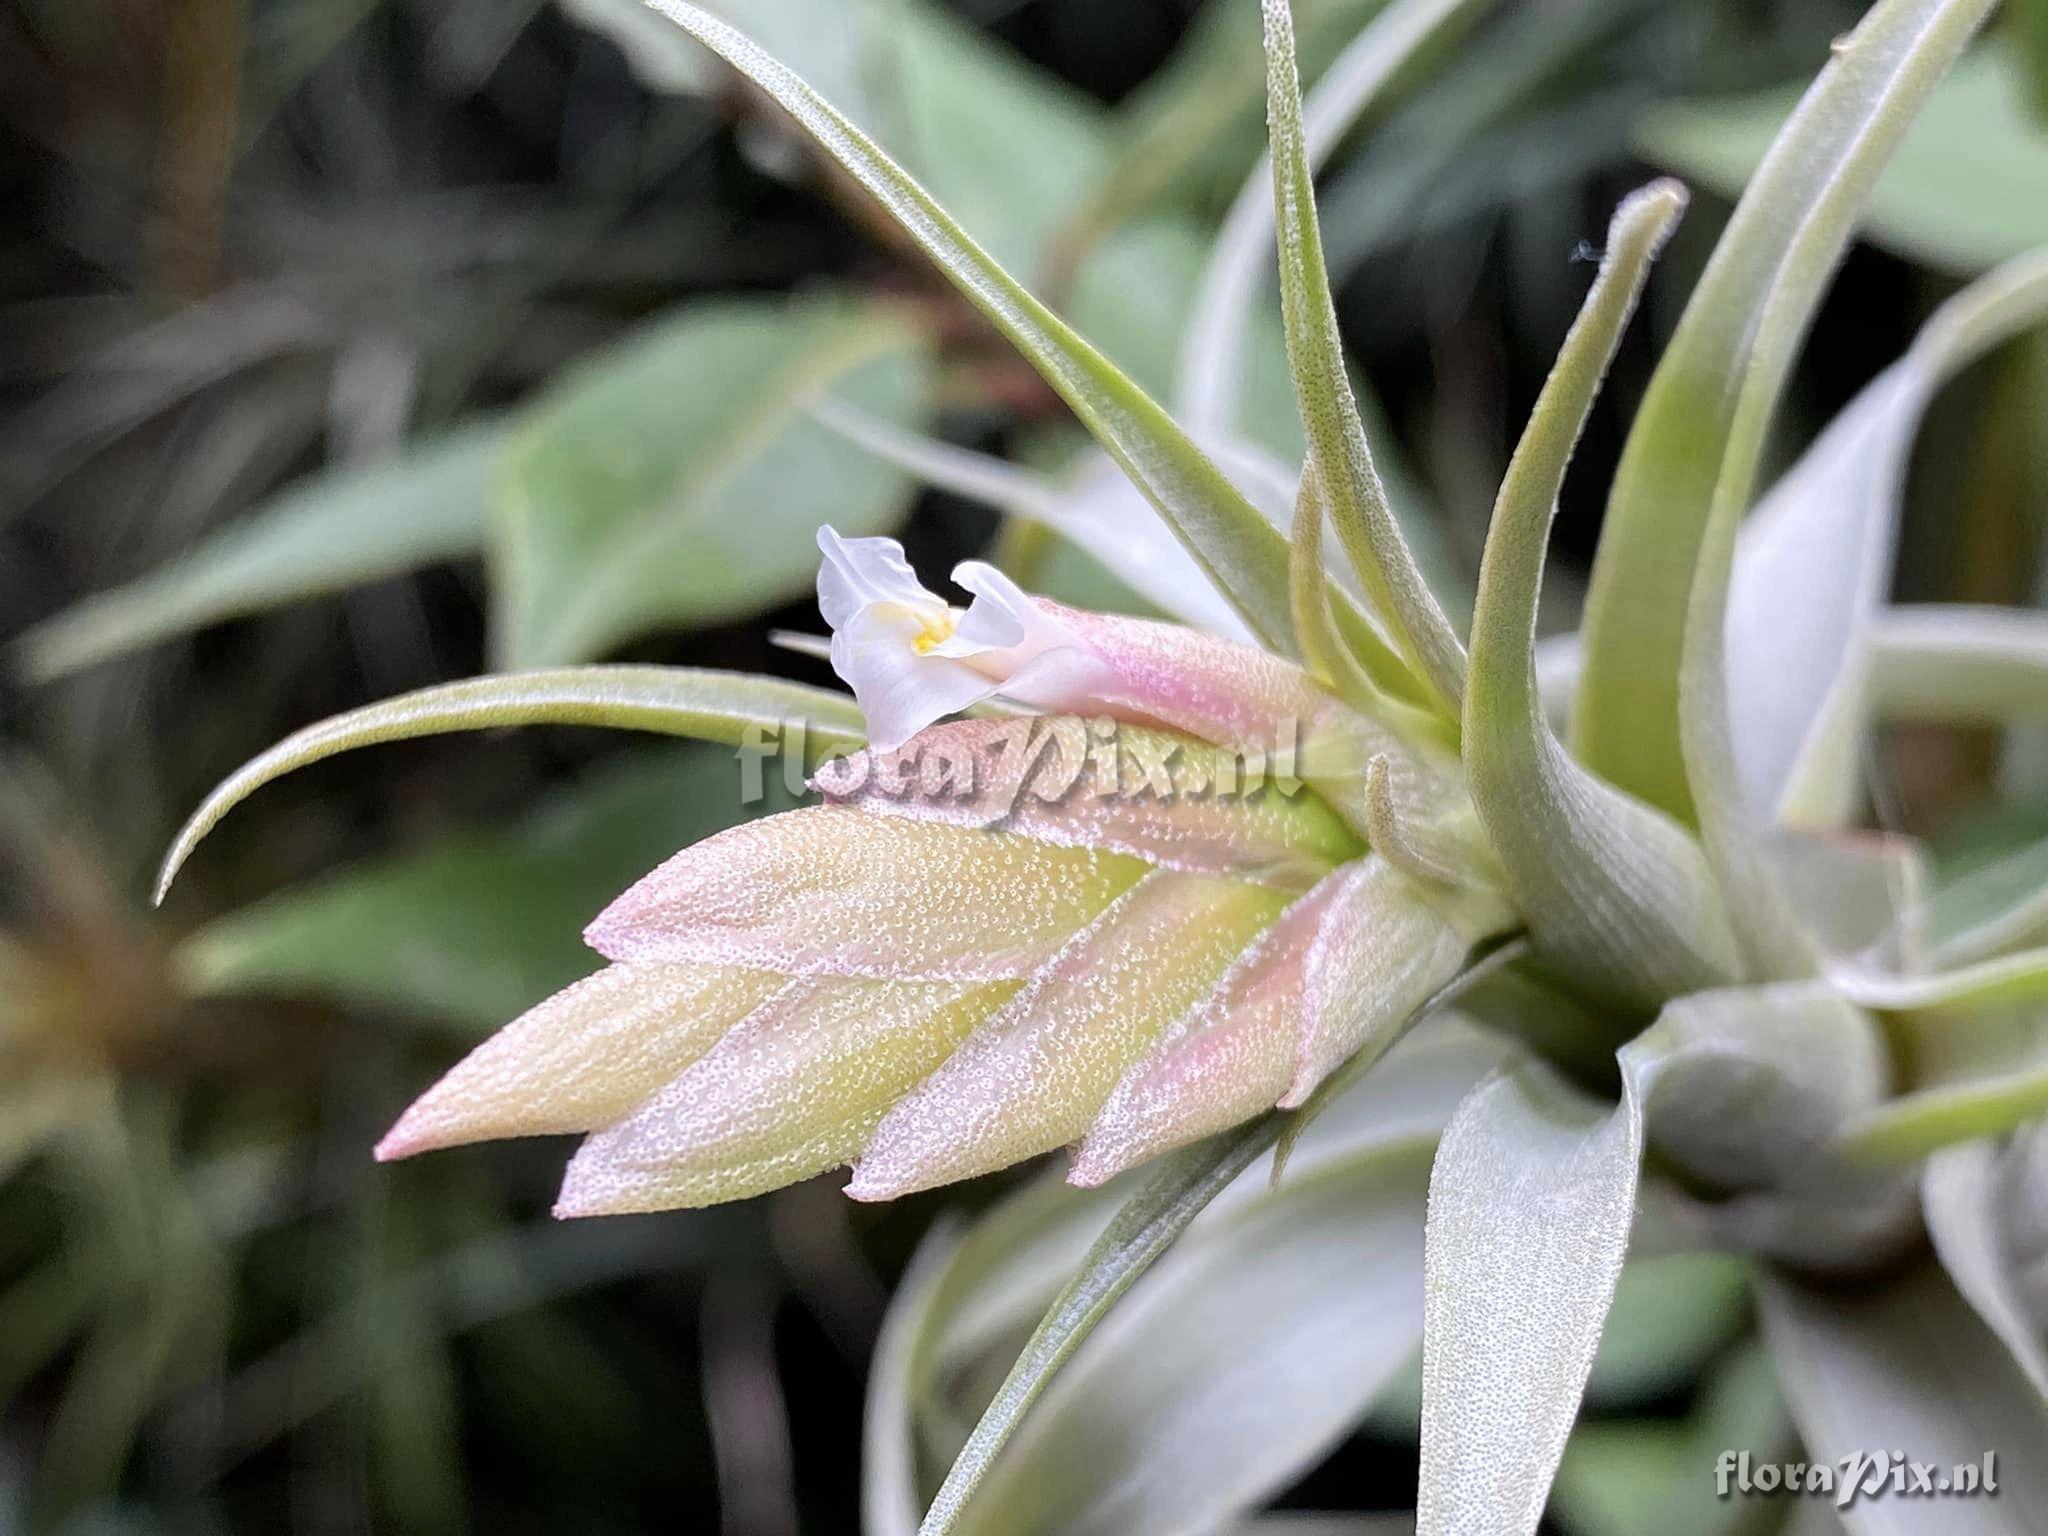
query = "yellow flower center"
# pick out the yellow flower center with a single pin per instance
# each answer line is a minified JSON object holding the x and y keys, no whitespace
{"x":937,"y":628}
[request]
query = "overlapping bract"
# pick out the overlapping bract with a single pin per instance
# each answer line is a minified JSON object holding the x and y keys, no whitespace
{"x":1008,"y":935}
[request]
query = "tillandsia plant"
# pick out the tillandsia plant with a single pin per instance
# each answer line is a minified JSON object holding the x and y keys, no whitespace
{"x":1166,"y":891}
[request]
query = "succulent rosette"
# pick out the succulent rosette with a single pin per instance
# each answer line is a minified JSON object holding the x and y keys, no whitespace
{"x":1085,"y":881}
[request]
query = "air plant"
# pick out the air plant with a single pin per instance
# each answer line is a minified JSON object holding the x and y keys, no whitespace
{"x":1169,"y":892}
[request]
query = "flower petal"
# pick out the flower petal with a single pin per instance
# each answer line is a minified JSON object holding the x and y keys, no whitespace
{"x":1034,"y":1076}
{"x":861,"y":573}
{"x":901,"y":689}
{"x":794,"y":1090}
{"x":830,"y":891}
{"x":586,"y":1056}
{"x":1160,"y":796}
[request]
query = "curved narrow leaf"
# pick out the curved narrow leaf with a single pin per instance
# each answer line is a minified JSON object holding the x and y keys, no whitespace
{"x":1973,"y":1073}
{"x":1530,"y":1205}
{"x":1964,"y":1190}
{"x":2016,"y":978}
{"x":1233,"y":1367}
{"x":340,"y":529}
{"x":1212,"y":372}
{"x":1144,"y":1229}
{"x":477,"y":927}
{"x":1962,"y":193}
{"x":1612,"y":890}
{"x":1699,"y":431}
{"x":1273,"y":1272}
{"x":1242,"y":553}
{"x":678,"y":478}
{"x":1952,"y":665}
{"x":1344,"y":472}
{"x":1906,"y":1366}
{"x":668,"y":701}
{"x":1813,"y":563}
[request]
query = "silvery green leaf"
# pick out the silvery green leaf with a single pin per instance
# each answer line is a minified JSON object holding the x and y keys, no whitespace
{"x":1699,"y":431}
{"x":1906,"y":1366}
{"x":1615,"y":892}
{"x":1147,"y":1225}
{"x":1857,"y":891}
{"x":1401,"y":1105}
{"x":1965,"y":1190}
{"x":1961,"y":665}
{"x":1961,"y":193}
{"x":1814,"y":561}
{"x":1233,"y":1368}
{"x":1745,"y":1087}
{"x":1349,"y":483}
{"x":1237,"y":547}
{"x":668,"y":701}
{"x":2021,"y":977}
{"x":888,"y":1490}
{"x":678,"y":477}
{"x":339,"y":529}
{"x":1214,"y":379}
{"x":1530,"y":1204}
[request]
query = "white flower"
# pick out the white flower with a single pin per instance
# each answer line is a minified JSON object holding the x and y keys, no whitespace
{"x":911,"y":658}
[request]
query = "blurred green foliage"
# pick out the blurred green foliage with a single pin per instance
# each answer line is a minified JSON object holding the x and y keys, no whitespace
{"x":355,"y":344}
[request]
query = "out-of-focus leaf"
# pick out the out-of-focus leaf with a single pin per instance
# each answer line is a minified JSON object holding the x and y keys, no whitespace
{"x":1243,"y":553}
{"x":1964,"y":1191}
{"x":1218,"y":370}
{"x":667,"y":701}
{"x":1972,"y":1072}
{"x":1349,"y":483}
{"x":1265,"y":1334}
{"x":1954,"y":665}
{"x":2021,"y":977}
{"x":1141,"y":1231}
{"x":1010,"y":149}
{"x":679,"y":479}
{"x":1745,"y":1086}
{"x":1513,"y":1313}
{"x":1672,"y":1313}
{"x":1699,"y":432}
{"x":340,"y":529}
{"x":480,"y":926}
{"x":1813,"y":563}
{"x":1963,"y":190}
{"x":1262,"y":1343}
{"x":1625,"y":1477}
{"x":1907,"y":1366}
{"x":1999,"y":907}
{"x":1613,"y":891}
{"x":1122,"y":1443}
{"x":1197,"y":119}
{"x":1858,"y":892}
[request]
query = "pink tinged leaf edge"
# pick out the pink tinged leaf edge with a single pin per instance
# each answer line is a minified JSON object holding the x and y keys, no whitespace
{"x":581,"y":1059}
{"x":1035,"y":1076}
